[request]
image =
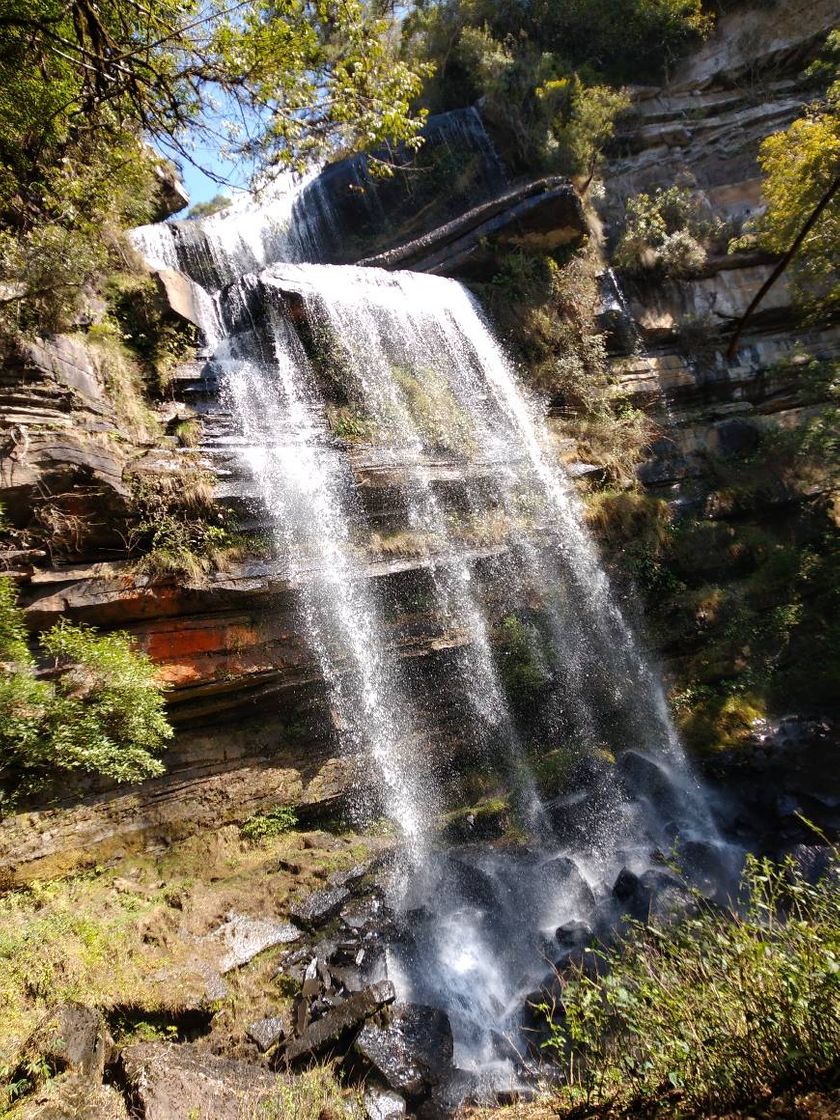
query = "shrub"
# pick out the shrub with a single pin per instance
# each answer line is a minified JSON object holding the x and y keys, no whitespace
{"x":98,"y":709}
{"x":668,"y":231}
{"x":213,"y":205}
{"x":718,"y":1012}
{"x":265,"y":826}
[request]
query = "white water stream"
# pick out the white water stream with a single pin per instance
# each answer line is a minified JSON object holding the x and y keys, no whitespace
{"x":412,"y":361}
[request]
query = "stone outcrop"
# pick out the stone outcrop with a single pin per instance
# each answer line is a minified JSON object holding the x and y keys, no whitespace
{"x":171,"y":1082}
{"x":544,"y":214}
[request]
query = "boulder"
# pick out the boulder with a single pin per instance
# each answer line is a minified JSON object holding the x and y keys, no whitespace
{"x":565,"y":883}
{"x":319,"y":907}
{"x":812,"y":860}
{"x":573,"y":935}
{"x":413,"y":1051}
{"x":72,"y":1038}
{"x":245,"y":937}
{"x":383,"y":1104}
{"x":166,"y":1081}
{"x":337,"y":1023}
{"x":470,"y":884}
{"x":266,"y":1033}
{"x":642,"y":777}
{"x":654,"y":896}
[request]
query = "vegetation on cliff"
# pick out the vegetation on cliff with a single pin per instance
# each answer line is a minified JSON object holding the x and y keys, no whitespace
{"x":94,"y":704}
{"x":801,"y":166}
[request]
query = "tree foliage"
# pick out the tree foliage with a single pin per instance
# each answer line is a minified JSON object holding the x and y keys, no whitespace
{"x":97,"y":706}
{"x":613,"y":41}
{"x":86,"y":84}
{"x":800,"y":165}
{"x":668,"y":231}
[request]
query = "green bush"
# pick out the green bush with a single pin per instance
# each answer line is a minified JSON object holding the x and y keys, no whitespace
{"x":265,"y":826}
{"x":97,"y":708}
{"x":668,"y":231}
{"x":718,"y":1012}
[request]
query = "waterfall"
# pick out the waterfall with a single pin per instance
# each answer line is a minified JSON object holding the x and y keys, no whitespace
{"x":487,"y":518}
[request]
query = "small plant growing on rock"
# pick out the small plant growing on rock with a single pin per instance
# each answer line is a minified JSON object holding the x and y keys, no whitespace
{"x":265,"y":826}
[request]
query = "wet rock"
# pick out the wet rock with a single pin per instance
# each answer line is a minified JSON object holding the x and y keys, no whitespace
{"x":168,"y":1081}
{"x":469,"y":884}
{"x":266,"y":1033}
{"x":573,"y":935}
{"x":712,"y":868}
{"x":413,"y":1051}
{"x":812,"y":860}
{"x":653,"y":896}
{"x":350,"y":878}
{"x":383,"y":1104}
{"x":642,"y":777}
{"x":457,"y":1088}
{"x":505,"y":1050}
{"x":669,"y":898}
{"x":245,"y":937}
{"x":337,"y":1023}
{"x":319,"y":907}
{"x":72,"y":1038}
{"x":362,"y":914}
{"x":563,"y":879}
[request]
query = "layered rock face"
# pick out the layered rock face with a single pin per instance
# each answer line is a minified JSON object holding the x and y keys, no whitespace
{"x":703,"y":131}
{"x":252,"y":725}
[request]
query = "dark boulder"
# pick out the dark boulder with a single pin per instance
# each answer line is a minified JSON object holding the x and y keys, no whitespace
{"x":318,"y":908}
{"x":337,"y":1023}
{"x":644,"y":778}
{"x":812,"y":860}
{"x":563,"y":880}
{"x":72,"y":1038}
{"x":412,"y":1052}
{"x":655,"y":896}
{"x":573,"y":935}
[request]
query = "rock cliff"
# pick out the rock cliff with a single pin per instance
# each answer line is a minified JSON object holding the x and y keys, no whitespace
{"x":252,"y":726}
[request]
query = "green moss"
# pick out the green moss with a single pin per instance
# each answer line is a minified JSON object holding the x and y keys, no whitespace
{"x":521,"y":668}
{"x":435,"y":410}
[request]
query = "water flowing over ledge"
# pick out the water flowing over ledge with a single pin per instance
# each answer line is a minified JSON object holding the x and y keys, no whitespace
{"x":410,"y":360}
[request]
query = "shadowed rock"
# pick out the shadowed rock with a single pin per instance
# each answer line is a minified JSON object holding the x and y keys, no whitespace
{"x":542,"y":214}
{"x":174,"y":1082}
{"x":336,"y":1024}
{"x":73,"y":1038}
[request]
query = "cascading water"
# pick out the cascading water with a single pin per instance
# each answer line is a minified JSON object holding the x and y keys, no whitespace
{"x":411,"y":361}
